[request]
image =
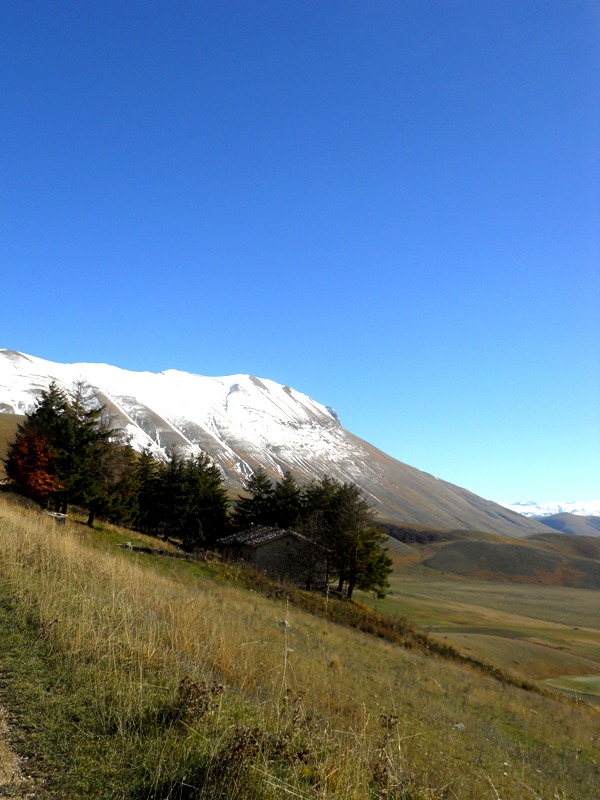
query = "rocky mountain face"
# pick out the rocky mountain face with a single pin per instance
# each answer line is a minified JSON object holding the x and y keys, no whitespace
{"x":244,"y":422}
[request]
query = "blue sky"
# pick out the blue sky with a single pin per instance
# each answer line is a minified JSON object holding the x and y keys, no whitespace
{"x":393,"y":207}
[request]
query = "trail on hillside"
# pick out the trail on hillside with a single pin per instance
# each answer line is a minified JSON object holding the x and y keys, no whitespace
{"x":13,"y":783}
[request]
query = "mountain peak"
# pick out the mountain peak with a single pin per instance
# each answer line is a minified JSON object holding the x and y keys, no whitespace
{"x":244,"y":422}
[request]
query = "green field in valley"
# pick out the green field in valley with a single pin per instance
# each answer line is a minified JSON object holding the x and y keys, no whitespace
{"x":547,"y":634}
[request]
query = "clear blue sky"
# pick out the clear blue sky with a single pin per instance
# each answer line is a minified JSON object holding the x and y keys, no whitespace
{"x":392,"y":206}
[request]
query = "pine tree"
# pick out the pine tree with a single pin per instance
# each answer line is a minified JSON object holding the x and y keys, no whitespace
{"x":356,"y":550}
{"x":42,"y":432}
{"x":184,"y":499}
{"x":95,"y":457}
{"x":71,"y":440}
{"x":349,"y":514}
{"x":170,"y":506}
{"x":146,"y":483}
{"x":286,"y":502}
{"x":368,"y":566}
{"x":257,"y":508}
{"x":207,"y":503}
{"x":116,"y":488}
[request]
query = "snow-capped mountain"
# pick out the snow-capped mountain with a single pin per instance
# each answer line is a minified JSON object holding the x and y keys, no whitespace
{"x":530,"y":508}
{"x":243,"y":422}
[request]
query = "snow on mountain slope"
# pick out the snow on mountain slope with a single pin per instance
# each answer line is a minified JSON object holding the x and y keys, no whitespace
{"x":189,"y":412}
{"x":529,"y":508}
{"x":244,"y":422}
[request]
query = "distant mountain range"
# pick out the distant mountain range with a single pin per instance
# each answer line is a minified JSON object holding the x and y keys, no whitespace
{"x":243,"y":422}
{"x":530,"y":508}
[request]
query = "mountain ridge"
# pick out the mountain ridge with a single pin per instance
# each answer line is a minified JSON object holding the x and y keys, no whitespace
{"x":243,"y":422}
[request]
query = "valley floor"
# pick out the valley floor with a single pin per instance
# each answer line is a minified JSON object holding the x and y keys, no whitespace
{"x":546,"y":634}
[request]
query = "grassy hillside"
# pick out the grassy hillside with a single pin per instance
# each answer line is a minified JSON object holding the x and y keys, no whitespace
{"x":135,"y":677}
{"x":547,"y":558}
{"x":524,"y":562}
{"x":584,"y":546}
{"x":572,"y":523}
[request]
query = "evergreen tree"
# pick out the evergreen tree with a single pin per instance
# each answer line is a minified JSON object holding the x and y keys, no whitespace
{"x":355,"y":547}
{"x":146,"y":482}
{"x":286,"y":502}
{"x":71,"y":439}
{"x":50,"y":426}
{"x":319,"y":502}
{"x":66,"y":452}
{"x":97,"y":456}
{"x":170,"y":502}
{"x":188,"y":501}
{"x":367,"y":564}
{"x":349,"y":514}
{"x":206,"y":511}
{"x":42,"y":432}
{"x":314,"y":557}
{"x":257,"y":507}
{"x":319,"y":520}
{"x":116,"y":495}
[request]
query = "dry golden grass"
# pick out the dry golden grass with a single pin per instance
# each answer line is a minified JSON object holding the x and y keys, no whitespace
{"x":236,"y":694}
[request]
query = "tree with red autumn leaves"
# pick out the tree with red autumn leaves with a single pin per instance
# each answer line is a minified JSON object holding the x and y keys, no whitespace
{"x":59,"y":451}
{"x":30,"y":465}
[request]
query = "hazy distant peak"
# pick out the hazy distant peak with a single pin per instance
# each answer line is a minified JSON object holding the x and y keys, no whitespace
{"x":529,"y":508}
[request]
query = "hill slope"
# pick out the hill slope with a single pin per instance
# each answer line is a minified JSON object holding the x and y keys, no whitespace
{"x":573,"y":524}
{"x":244,"y":422}
{"x":538,"y":561}
{"x":128,"y":677}
{"x":550,"y":559}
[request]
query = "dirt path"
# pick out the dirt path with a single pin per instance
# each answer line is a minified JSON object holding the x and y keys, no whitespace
{"x":13,"y":783}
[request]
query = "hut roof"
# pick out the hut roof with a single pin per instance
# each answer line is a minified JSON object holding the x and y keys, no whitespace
{"x":254,"y":537}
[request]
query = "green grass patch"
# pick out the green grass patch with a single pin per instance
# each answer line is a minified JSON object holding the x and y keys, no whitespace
{"x":535,"y":632}
{"x":578,"y":684}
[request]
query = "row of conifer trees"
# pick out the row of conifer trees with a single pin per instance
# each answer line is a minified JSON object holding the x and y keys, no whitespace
{"x":67,"y":452}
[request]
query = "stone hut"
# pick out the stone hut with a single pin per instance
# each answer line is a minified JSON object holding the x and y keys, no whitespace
{"x":279,"y":553}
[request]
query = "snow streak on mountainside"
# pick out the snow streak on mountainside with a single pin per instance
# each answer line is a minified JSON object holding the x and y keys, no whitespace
{"x":529,"y":508}
{"x":244,"y":422}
